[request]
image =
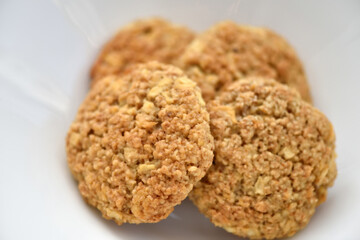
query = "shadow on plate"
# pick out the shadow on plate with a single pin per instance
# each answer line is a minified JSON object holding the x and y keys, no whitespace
{"x":186,"y":222}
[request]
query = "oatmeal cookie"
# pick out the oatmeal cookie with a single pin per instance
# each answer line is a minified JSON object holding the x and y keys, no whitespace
{"x":228,"y":52}
{"x":274,"y":160}
{"x":140,"y":42}
{"x":140,"y":142}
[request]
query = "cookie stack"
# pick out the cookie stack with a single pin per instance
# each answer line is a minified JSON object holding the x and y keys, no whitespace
{"x":224,"y":117}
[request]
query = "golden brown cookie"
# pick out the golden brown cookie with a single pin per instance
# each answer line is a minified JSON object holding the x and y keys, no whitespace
{"x":228,"y":52}
{"x":140,"y":42}
{"x":139,"y":142}
{"x":274,"y":160}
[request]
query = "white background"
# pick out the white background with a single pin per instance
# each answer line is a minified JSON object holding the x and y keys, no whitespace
{"x":46,"y":49}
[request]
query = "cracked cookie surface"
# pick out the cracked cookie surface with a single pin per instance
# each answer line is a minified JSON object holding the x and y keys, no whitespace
{"x":139,"y":142}
{"x":145,"y":40}
{"x":227,"y":52}
{"x":274,"y":160}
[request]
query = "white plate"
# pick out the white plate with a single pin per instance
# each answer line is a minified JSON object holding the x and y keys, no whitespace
{"x":46,"y":49}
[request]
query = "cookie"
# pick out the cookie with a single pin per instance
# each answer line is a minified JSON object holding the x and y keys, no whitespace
{"x":274,"y":160}
{"x":228,"y":52}
{"x":140,"y":42}
{"x":140,"y":142}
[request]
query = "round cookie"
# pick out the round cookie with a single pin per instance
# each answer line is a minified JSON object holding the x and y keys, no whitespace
{"x":140,"y":42}
{"x":227,"y":52}
{"x":274,"y":160}
{"x":140,"y":142}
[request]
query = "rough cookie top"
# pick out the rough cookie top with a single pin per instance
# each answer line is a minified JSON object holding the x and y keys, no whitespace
{"x":139,"y":142}
{"x":228,"y":52}
{"x":140,"y":42}
{"x":274,"y":159}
